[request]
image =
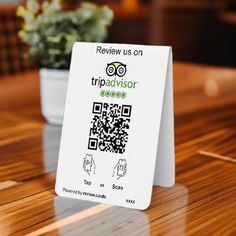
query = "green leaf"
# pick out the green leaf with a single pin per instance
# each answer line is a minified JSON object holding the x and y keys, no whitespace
{"x":32,"y":6}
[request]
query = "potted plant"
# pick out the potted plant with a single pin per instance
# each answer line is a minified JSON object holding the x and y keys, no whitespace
{"x":50,"y":34}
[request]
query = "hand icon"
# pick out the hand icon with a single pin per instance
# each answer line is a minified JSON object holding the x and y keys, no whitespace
{"x":120,"y":169}
{"x":89,"y":164}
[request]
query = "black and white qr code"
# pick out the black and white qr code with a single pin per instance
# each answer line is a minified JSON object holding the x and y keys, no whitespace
{"x":109,"y":127}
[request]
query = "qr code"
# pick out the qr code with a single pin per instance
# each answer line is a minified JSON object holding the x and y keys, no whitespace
{"x":109,"y":129}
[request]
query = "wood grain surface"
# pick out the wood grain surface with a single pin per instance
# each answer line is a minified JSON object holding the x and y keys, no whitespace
{"x":203,"y":201}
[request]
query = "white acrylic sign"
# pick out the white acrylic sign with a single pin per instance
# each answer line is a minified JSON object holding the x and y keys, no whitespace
{"x":118,"y":130}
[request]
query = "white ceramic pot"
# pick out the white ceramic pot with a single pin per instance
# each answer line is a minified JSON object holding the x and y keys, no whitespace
{"x":53,"y":87}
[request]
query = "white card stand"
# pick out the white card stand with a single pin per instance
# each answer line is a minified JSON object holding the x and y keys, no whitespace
{"x":165,"y":162}
{"x":74,"y":176}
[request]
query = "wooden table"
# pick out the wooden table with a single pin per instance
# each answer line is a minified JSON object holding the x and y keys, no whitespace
{"x":203,"y":201}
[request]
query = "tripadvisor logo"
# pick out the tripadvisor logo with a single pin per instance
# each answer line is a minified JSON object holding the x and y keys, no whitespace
{"x":116,"y":70}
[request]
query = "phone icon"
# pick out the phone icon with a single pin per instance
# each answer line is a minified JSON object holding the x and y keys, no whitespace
{"x":120,"y":169}
{"x":89,"y":164}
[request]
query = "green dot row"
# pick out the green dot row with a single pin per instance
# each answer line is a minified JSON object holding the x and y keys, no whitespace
{"x":113,"y":94}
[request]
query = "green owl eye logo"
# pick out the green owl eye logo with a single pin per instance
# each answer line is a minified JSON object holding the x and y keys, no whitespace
{"x":116,"y":68}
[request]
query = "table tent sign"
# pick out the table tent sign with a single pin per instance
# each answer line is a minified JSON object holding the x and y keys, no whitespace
{"x":118,"y":130}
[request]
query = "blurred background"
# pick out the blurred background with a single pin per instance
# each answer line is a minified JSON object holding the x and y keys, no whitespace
{"x":201,"y":31}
